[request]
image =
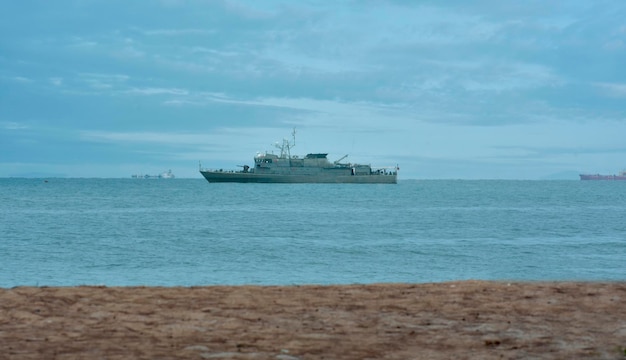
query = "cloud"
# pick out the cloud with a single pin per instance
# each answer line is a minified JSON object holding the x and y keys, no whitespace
{"x":201,"y":49}
{"x":182,"y":103}
{"x":79,"y":42}
{"x":156,"y":91}
{"x":617,"y":90}
{"x":12,"y":125}
{"x":178,"y":32}
{"x":21,"y":79}
{"x":103,"y":81}
{"x":162,"y":138}
{"x":56,"y":81}
{"x":507,"y":76}
{"x":128,"y":51}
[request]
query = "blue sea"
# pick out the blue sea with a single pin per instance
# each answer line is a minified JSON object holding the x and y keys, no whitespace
{"x":184,"y":232}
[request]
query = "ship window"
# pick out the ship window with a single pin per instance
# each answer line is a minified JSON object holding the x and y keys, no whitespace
{"x":267,"y":160}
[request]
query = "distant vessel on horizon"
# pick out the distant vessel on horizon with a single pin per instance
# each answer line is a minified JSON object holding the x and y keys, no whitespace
{"x":164,"y":175}
{"x":620,"y":176}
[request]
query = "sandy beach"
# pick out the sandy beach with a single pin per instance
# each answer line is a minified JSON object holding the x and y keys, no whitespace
{"x":453,"y":320}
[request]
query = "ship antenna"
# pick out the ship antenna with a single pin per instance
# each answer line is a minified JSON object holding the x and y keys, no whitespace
{"x":289,"y":146}
{"x":286,"y":145}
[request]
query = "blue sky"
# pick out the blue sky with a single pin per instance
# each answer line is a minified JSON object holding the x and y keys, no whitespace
{"x":484,"y":89}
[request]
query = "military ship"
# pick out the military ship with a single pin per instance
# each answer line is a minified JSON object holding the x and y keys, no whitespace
{"x":311,"y":168}
{"x":620,"y":176}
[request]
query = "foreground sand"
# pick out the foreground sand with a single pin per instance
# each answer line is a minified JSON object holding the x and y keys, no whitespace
{"x":456,"y":320}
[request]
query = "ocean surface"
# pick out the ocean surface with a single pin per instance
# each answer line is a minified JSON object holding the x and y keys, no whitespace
{"x":184,"y":232}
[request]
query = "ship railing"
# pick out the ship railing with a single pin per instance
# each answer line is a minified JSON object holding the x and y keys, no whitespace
{"x":221,"y":170}
{"x":386,"y":170}
{"x":383,"y":172}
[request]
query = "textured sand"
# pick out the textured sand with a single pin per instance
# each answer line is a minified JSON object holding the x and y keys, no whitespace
{"x":456,"y":320}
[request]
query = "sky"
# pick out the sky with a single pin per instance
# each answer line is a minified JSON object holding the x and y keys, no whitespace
{"x":456,"y":89}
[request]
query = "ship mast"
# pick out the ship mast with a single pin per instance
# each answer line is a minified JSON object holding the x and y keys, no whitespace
{"x":285,"y":147}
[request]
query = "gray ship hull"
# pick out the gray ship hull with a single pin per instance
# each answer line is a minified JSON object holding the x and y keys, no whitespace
{"x":242,"y":177}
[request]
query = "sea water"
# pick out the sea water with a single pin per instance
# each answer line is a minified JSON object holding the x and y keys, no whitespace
{"x":184,"y":232}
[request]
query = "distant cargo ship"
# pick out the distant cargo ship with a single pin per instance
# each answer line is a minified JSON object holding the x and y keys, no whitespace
{"x":166,"y":175}
{"x":620,"y":176}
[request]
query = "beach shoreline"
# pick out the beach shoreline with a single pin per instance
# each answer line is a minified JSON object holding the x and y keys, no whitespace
{"x":463,"y":319}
